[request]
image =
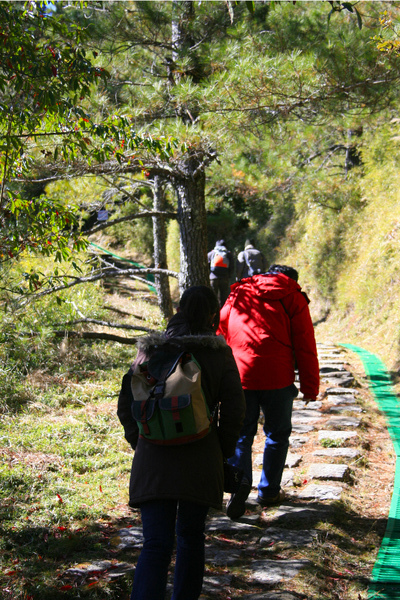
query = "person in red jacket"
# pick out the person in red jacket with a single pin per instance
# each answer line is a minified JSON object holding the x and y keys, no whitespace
{"x":267,"y":323}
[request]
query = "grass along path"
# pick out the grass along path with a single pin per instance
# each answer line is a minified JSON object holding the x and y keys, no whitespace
{"x":64,"y":487}
{"x":65,"y":465}
{"x":64,"y":481}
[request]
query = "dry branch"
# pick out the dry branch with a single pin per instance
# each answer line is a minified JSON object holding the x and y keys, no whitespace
{"x":88,"y":335}
{"x":108,"y":272}
{"x":109,"y":324}
{"x":147,"y":213}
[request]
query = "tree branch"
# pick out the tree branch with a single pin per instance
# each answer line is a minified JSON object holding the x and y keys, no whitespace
{"x":122,"y":312}
{"x":111,"y":272}
{"x":88,"y":335}
{"x":108,"y":324}
{"x":147,"y":213}
{"x":330,"y":150}
{"x":60,"y":171}
{"x":122,"y":190}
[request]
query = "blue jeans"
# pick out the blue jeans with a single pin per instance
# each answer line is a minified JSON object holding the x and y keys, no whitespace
{"x":277,"y":407}
{"x":158,"y":519}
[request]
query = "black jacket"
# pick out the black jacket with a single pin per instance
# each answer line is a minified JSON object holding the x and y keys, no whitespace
{"x":191,"y":471}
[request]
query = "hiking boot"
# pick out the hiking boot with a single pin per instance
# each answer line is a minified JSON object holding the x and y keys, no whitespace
{"x":237,"y":504}
{"x":272,"y":500}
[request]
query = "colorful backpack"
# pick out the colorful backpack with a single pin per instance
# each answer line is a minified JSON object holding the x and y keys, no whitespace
{"x":220,"y":261}
{"x":169,"y":405}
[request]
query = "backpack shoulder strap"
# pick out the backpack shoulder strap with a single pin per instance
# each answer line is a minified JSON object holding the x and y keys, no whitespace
{"x":159,"y":388}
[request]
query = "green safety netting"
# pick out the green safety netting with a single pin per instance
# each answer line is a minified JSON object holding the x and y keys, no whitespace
{"x":148,"y":277}
{"x":385,"y":578}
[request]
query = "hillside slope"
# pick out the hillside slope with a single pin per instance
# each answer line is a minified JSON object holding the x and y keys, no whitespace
{"x":349,"y":261}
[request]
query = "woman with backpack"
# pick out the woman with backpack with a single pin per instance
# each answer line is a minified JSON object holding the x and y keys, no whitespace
{"x":175,"y":485}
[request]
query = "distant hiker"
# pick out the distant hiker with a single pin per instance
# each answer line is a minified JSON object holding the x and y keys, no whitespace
{"x":222,"y":267}
{"x":267,"y":323}
{"x":249,"y":262}
{"x":174,"y":485}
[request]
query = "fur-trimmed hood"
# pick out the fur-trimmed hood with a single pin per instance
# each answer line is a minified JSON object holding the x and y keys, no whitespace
{"x":179,"y":334}
{"x":156,"y":340}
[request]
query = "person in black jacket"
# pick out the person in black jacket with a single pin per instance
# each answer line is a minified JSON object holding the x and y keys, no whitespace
{"x":174,"y":486}
{"x":250,"y":262}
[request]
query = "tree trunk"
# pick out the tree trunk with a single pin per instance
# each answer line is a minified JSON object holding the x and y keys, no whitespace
{"x":160,"y":250}
{"x":190,"y":187}
{"x":182,"y":12}
{"x":190,"y":183}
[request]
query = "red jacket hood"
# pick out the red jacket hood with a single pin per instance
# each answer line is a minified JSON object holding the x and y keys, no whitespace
{"x":269,"y":286}
{"x":266,"y":322}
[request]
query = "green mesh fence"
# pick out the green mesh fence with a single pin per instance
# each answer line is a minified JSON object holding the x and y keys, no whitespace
{"x":385,"y":578}
{"x":148,"y":277}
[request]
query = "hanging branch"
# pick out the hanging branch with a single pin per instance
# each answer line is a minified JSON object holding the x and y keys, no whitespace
{"x":108,"y":324}
{"x":109,"y":271}
{"x":87,"y":335}
{"x":145,"y":213}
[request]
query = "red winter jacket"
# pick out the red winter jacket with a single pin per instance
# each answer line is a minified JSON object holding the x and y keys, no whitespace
{"x":267,"y":323}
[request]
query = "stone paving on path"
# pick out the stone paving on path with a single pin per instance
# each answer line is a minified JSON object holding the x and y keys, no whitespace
{"x":312,"y":480}
{"x":332,"y":423}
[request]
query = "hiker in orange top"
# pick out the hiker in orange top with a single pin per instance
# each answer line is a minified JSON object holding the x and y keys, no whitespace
{"x":222,"y":265}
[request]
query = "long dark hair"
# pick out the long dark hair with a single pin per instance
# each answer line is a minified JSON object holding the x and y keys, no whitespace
{"x":200,"y":307}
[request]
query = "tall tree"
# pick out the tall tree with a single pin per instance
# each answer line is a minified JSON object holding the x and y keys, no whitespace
{"x":218,"y":76}
{"x":162,"y":38}
{"x":240,"y":86}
